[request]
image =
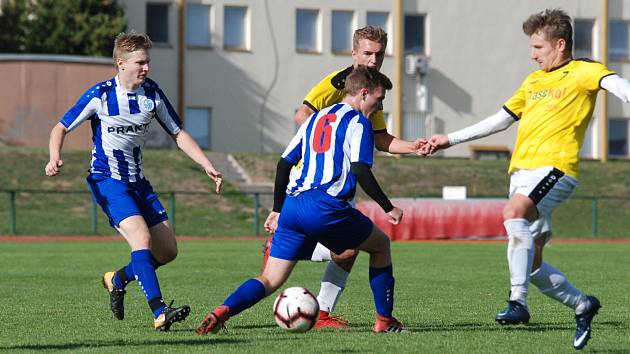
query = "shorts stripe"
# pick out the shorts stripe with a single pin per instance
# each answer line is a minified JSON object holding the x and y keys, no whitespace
{"x":545,"y":185}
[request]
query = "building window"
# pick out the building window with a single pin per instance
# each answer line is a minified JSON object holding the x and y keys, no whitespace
{"x":341,"y":33}
{"x":414,"y":34}
{"x":380,"y":19}
{"x":306,"y":31}
{"x":157,"y":22}
{"x":618,"y":40}
{"x":583,"y":38}
{"x":198,"y":25}
{"x":235,"y":28}
{"x":198,"y":125}
{"x":618,"y":137}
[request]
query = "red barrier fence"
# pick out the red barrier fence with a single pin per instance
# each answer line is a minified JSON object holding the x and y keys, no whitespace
{"x":435,"y":219}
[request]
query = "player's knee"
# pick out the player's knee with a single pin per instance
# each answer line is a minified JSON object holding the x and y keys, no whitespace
{"x":513,"y":212}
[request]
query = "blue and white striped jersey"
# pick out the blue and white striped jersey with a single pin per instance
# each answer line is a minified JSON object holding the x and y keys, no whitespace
{"x":120,"y":125}
{"x":327,"y":143}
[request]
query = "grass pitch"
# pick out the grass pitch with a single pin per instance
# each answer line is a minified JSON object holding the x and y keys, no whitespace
{"x":446,"y":293}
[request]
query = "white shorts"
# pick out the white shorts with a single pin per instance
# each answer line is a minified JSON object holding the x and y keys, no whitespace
{"x":547,"y":187}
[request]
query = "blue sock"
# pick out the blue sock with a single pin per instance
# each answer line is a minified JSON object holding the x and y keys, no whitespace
{"x":125,"y":274}
{"x":382,"y":284}
{"x":144,"y":273}
{"x":246,"y":296}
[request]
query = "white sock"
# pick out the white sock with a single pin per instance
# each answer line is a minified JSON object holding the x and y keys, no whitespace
{"x":333,"y":283}
{"x":553,"y":283}
{"x":321,"y":254}
{"x":520,"y":255}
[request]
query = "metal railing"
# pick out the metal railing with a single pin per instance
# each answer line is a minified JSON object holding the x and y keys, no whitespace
{"x":575,"y":219}
{"x":171,"y":196}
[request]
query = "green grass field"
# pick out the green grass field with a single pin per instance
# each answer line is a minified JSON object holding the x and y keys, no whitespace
{"x":447,"y":293}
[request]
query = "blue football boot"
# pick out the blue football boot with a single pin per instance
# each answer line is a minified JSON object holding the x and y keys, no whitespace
{"x":583,"y":324}
{"x":513,"y":314}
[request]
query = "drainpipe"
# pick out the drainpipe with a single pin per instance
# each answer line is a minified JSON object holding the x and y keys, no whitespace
{"x":603,"y":111}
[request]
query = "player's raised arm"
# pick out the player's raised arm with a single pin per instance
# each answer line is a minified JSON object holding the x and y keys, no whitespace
{"x":190,"y":147}
{"x":618,"y":86}
{"x":302,"y":114}
{"x":491,"y":125}
{"x":55,"y":144}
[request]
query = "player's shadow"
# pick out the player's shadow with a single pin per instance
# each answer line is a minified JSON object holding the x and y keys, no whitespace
{"x":255,"y":326}
{"x":494,"y":327}
{"x":205,"y":341}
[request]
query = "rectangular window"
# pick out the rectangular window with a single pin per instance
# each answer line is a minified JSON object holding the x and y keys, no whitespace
{"x":235,"y":29}
{"x":306,"y":31}
{"x":198,"y":125}
{"x":378,"y":19}
{"x":198,"y":25}
{"x":618,"y":40}
{"x":414,"y":34}
{"x":157,"y":22}
{"x":618,"y":137}
{"x":341,"y":34}
{"x":583,"y":38}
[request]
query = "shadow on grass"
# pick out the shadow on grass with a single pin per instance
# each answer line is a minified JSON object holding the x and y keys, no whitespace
{"x":493,"y":327}
{"x":123,"y":343}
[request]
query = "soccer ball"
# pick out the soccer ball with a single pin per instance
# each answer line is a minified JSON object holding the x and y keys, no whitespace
{"x":296,"y":310}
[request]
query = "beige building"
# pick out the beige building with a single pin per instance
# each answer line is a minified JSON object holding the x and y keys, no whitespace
{"x":246,"y":65}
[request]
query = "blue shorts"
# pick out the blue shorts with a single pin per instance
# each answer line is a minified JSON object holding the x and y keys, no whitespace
{"x":121,"y":200}
{"x":315,"y":216}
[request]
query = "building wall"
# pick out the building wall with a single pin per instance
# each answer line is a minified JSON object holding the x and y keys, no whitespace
{"x":478,"y":57}
{"x":477,"y":53}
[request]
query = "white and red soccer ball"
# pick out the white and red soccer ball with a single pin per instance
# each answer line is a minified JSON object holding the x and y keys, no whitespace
{"x":296,"y":310}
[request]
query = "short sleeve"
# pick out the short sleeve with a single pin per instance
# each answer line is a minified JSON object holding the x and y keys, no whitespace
{"x":325,"y":93}
{"x":362,"y":142}
{"x":293,"y":153}
{"x":85,"y":108}
{"x":378,"y":122}
{"x":516,"y":104}
{"x":591,"y":75}
{"x":166,"y":115}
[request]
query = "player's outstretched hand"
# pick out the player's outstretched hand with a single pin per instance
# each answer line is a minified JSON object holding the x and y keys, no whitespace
{"x":216,"y":176}
{"x":271,"y":224}
{"x":395,"y":215}
{"x":420,"y":146}
{"x":438,"y":142}
{"x":53,"y":167}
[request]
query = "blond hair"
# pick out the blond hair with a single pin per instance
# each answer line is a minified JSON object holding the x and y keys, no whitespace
{"x":126,"y":43}
{"x":371,"y":33}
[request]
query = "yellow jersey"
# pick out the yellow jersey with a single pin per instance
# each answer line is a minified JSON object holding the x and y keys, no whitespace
{"x":331,"y":90}
{"x":553,"y":109}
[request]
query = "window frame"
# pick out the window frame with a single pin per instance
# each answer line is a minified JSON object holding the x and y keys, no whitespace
{"x":167,"y":5}
{"x":318,"y":32}
{"x":627,"y":136}
{"x":389,"y":51}
{"x":353,"y":27}
{"x":593,"y":49}
{"x":211,"y":24}
{"x":425,"y":49}
{"x":209,"y":136}
{"x":246,"y":29}
{"x":627,"y":26}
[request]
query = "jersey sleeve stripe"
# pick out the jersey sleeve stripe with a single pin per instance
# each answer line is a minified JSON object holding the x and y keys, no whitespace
{"x":516,"y":118}
{"x":380,"y":131}
{"x":310,"y":106}
{"x":171,"y":111}
{"x":599,"y":84}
